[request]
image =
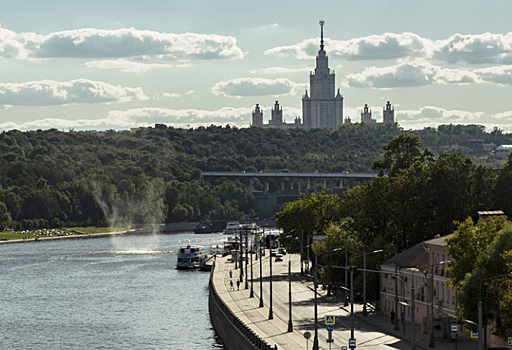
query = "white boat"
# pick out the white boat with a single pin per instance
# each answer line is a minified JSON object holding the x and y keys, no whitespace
{"x":232,"y":228}
{"x":190,"y":257}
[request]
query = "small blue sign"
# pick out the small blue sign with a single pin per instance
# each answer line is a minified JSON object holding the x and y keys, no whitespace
{"x":329,"y":327}
{"x":454,"y":328}
{"x":352,"y":343}
{"x":329,"y":319}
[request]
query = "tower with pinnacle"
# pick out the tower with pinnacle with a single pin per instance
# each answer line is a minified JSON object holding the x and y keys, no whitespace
{"x":323,"y":107}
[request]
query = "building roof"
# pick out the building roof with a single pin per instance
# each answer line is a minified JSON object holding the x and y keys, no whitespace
{"x":504,"y":147}
{"x":416,"y":256}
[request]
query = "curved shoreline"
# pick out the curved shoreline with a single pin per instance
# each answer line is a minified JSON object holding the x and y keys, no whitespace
{"x":168,"y":228}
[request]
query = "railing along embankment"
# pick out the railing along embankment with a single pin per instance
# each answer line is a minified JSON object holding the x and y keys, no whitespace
{"x":235,"y":335}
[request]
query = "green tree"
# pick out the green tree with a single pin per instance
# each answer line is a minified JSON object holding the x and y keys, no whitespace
{"x":401,"y":152}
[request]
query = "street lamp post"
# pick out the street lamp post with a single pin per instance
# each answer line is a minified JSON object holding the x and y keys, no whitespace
{"x":346,"y":277}
{"x":246,"y":259}
{"x":261,"y":280}
{"x":301,"y":260}
{"x":397,"y":327}
{"x":251,"y":295}
{"x":432,"y":342}
{"x":315,"y":340}
{"x":365,"y":312}
{"x":241,"y":259}
{"x":290,"y":323}
{"x":270,"y":311}
{"x":413,"y":314}
{"x":352,"y":268}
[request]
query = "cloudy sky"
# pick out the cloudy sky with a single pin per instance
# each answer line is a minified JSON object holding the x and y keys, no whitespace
{"x":118,"y":64}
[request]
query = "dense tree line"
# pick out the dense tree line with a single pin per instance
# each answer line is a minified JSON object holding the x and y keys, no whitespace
{"x":422,"y":196}
{"x":52,"y":178}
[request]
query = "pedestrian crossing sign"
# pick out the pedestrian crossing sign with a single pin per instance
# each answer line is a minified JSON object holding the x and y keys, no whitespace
{"x":329,"y":319}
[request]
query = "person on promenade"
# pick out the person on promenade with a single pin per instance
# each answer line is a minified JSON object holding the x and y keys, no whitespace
{"x":392,"y":314}
{"x":231,"y":285}
{"x":238,"y":284}
{"x":230,"y":274}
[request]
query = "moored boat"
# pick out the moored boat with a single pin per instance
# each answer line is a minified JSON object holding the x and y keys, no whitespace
{"x":190,"y":257}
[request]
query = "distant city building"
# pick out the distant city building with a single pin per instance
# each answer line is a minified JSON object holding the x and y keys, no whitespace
{"x":388,"y":115}
{"x":323,"y":109}
{"x":276,"y":120}
{"x":257,"y":117}
{"x":503,"y":151}
{"x":323,"y":106}
{"x":366,"y":116}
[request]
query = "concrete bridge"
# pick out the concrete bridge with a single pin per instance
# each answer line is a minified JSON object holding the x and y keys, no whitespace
{"x":272,"y":189}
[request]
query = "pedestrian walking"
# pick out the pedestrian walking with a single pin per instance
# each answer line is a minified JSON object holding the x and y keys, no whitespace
{"x":231,"y":285}
{"x":392,"y":314}
{"x":230,"y":274}
{"x":238,"y":284}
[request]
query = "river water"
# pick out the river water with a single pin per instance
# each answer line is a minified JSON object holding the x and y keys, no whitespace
{"x":104,"y":293}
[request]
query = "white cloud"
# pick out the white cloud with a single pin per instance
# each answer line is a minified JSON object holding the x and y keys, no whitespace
{"x":268,"y":26}
{"x":410,"y":74}
{"x":170,"y":95}
{"x":475,"y":49}
{"x":470,"y":48}
{"x":373,"y":47}
{"x":190,"y":92}
{"x":50,"y":92}
{"x":119,"y":43}
{"x":243,"y":87}
{"x":497,"y":75}
{"x":126,"y":66}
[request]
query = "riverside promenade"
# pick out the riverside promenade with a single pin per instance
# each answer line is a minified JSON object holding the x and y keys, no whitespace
{"x":372,"y":332}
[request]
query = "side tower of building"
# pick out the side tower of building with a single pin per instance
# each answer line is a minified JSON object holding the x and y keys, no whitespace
{"x":277,"y":114}
{"x":366,"y":116}
{"x":388,"y":114}
{"x":257,"y":117}
{"x":322,"y":109}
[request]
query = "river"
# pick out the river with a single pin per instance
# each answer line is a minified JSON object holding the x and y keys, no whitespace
{"x":104,"y":293}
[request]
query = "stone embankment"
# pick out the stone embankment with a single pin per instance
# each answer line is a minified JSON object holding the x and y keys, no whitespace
{"x":235,"y":335}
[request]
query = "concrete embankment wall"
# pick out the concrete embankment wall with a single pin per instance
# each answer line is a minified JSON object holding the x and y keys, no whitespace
{"x":235,"y":335}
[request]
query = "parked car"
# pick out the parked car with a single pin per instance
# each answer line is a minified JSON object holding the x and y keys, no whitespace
{"x":279,"y":257}
{"x":282,"y":250}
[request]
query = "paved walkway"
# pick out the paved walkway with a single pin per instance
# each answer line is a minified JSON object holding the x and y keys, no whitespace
{"x":373,"y":332}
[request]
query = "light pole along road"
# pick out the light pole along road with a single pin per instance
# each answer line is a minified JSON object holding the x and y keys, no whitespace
{"x":303,"y":308}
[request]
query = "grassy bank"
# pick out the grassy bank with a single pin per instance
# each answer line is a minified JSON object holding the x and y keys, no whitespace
{"x":32,"y":234}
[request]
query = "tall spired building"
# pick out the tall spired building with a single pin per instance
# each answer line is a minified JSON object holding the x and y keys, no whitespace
{"x":323,"y":109}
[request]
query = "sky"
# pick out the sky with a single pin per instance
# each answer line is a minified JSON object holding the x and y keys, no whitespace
{"x":121,"y":64}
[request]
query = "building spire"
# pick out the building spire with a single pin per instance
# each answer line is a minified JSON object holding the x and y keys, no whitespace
{"x":322,"y":22}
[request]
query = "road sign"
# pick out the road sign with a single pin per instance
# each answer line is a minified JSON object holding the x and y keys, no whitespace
{"x":330,"y":340}
{"x":509,"y":341}
{"x":508,"y":333}
{"x":329,"y":319}
{"x":307,"y":335}
{"x":474,"y":335}
{"x":352,"y":343}
{"x":330,"y":328}
{"x":454,"y":328}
